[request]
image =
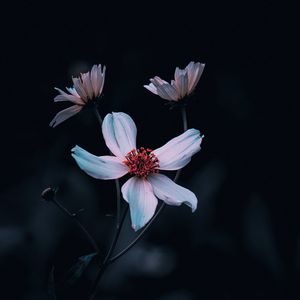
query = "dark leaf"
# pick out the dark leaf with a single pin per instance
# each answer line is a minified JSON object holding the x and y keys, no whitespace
{"x":76,"y":270}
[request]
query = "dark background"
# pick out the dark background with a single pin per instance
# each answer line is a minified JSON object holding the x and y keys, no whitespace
{"x":243,"y":240}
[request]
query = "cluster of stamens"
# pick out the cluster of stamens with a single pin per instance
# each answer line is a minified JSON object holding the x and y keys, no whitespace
{"x":141,"y":162}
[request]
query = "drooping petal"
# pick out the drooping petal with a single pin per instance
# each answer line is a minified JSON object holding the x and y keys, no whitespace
{"x":63,"y":96}
{"x":177,"y":152}
{"x":119,"y":133}
{"x":99,"y":167}
{"x":138,"y":193}
{"x":65,"y":114}
{"x":161,"y":87}
{"x":151,"y":87}
{"x":195,"y":71}
{"x":171,"y":193}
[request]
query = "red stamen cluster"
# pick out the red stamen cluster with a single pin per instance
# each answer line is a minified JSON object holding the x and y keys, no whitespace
{"x":141,"y":162}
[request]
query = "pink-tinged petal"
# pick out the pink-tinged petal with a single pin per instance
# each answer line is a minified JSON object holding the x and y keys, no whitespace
{"x":66,"y":97}
{"x":87,"y":85}
{"x":151,"y":87}
{"x":177,"y":152}
{"x":101,"y":83}
{"x":119,"y":133}
{"x":99,"y":167}
{"x":65,"y":114}
{"x":171,"y":193}
{"x":195,"y":71}
{"x":142,"y":202}
{"x":79,"y":88}
{"x":72,"y":91}
{"x":181,"y":81}
{"x":161,"y":88}
{"x":95,"y":79}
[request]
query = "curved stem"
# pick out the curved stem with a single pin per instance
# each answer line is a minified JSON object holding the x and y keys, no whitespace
{"x":79,"y":224}
{"x":106,"y":260}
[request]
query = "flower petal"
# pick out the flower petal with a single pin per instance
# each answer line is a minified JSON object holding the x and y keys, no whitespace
{"x":138,"y":193}
{"x":171,"y":193}
{"x":195,"y":71}
{"x":119,"y":133}
{"x":181,"y":81}
{"x":151,"y":87}
{"x":65,"y":114}
{"x":66,"y":97}
{"x":177,"y":152}
{"x":100,"y":167}
{"x":162,"y":87}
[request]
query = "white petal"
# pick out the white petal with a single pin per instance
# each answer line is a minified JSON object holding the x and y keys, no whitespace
{"x":195,"y":71}
{"x":142,"y":202}
{"x":65,"y":114}
{"x":100,"y":167}
{"x":182,"y":83}
{"x":177,"y":152}
{"x":87,"y":84}
{"x":151,"y":87}
{"x":171,"y":193}
{"x":160,"y":87}
{"x":95,"y":79}
{"x":101,"y":83}
{"x":119,"y":133}
{"x":66,"y":97}
{"x":79,"y":88}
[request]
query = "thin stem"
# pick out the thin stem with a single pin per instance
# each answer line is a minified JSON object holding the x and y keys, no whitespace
{"x":139,"y":236}
{"x":79,"y":224}
{"x":98,"y":116}
{"x":122,"y":252}
{"x":184,"y":118}
{"x":106,"y":260}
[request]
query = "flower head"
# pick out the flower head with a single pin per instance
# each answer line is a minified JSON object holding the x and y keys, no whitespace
{"x":87,"y":86}
{"x":183,"y":85}
{"x":147,"y":184}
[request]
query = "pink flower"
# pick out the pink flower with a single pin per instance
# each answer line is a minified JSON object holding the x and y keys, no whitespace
{"x":147,"y":184}
{"x":183,"y":85}
{"x":87,"y":87}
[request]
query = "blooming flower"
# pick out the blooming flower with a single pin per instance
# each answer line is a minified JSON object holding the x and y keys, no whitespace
{"x":87,"y":86}
{"x":147,"y":184}
{"x":183,"y":85}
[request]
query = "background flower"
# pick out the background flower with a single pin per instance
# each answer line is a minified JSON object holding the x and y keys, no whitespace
{"x":87,"y":86}
{"x":183,"y":85}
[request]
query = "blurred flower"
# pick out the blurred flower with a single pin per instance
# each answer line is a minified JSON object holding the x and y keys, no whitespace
{"x":87,"y":86}
{"x":142,"y":190}
{"x":183,"y":85}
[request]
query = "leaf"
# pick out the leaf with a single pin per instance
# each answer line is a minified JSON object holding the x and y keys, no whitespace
{"x":77,"y":269}
{"x":51,"y":285}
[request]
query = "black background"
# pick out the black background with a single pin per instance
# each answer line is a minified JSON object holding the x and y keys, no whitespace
{"x":243,"y":240}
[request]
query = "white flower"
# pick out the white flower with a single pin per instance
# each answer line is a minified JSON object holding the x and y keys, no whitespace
{"x":183,"y":85}
{"x":87,"y":86}
{"x":142,"y":190}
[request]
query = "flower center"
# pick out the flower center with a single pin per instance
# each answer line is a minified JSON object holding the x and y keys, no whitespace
{"x":141,"y":162}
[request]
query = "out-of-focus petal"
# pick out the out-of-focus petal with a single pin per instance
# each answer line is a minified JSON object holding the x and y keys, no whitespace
{"x":63,"y":96}
{"x":87,"y":84}
{"x":138,"y":193}
{"x":65,"y":114}
{"x":100,"y":167}
{"x":177,"y":152}
{"x":119,"y":133}
{"x":101,"y":83}
{"x":171,"y":193}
